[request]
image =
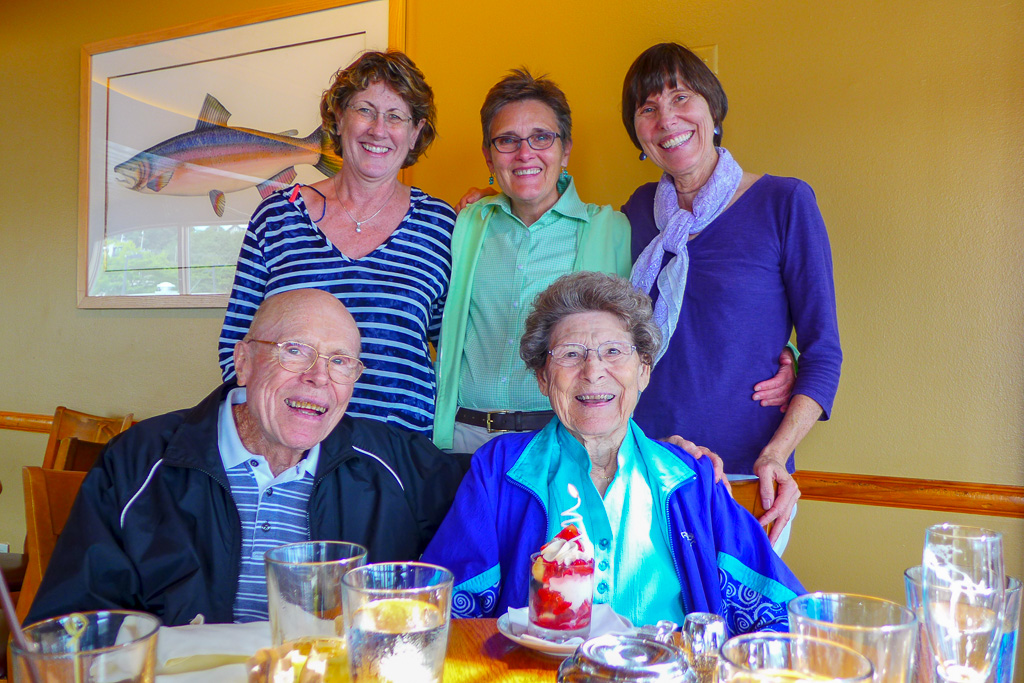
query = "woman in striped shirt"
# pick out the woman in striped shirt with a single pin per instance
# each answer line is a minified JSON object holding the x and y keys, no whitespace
{"x":381,"y":247}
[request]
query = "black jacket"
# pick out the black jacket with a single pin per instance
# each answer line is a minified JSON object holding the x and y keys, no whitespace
{"x":154,"y":527}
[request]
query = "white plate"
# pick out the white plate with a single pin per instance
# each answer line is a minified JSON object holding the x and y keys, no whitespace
{"x":536,"y":644}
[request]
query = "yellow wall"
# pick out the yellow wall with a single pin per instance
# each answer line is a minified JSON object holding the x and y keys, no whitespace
{"x":906,"y":118}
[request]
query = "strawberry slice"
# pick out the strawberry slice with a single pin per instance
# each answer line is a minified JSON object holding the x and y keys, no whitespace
{"x":568,"y":533}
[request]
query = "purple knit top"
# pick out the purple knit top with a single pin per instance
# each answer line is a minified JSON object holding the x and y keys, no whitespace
{"x":763,"y":267}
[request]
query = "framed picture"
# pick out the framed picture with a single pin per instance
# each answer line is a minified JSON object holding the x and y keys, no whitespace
{"x":184,"y":131}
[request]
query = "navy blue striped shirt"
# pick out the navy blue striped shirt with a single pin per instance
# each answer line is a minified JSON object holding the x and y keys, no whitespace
{"x":395,"y":293}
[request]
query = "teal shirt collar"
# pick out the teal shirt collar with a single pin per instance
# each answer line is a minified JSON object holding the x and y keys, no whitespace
{"x":536,"y":466}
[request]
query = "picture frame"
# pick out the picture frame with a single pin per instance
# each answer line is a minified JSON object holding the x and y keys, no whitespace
{"x":161,"y":214}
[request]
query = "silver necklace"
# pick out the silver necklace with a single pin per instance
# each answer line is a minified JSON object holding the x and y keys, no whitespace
{"x":360,"y":224}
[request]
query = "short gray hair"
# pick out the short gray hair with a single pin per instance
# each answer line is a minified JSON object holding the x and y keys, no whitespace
{"x":586,"y":292}
{"x":521,"y":85}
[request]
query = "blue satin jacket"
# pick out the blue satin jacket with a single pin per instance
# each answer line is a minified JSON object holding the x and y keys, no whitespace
{"x":722,"y":557}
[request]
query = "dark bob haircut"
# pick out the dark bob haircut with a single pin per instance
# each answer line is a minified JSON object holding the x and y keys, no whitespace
{"x":521,"y":85}
{"x":671,"y":65}
{"x":395,"y":70}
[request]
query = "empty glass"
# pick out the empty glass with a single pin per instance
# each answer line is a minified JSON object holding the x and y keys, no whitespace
{"x":881,"y":630}
{"x":962,"y":590}
{"x":89,"y":647}
{"x":924,"y":661}
{"x":790,"y":657}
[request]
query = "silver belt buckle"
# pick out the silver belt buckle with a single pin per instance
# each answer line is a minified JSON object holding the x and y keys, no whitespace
{"x":491,"y":430}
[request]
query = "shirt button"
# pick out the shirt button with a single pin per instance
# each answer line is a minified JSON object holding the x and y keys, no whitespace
{"x":602,"y":587}
{"x":504,"y":379}
{"x":519,"y":267}
{"x":515,"y":304}
{"x":266,"y":526}
{"x":254,"y":462}
{"x":270,"y":491}
{"x":604,"y":543}
{"x":603,"y":566}
{"x":511,"y":342}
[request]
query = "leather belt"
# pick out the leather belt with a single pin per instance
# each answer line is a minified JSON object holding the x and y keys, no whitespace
{"x":505,"y":420}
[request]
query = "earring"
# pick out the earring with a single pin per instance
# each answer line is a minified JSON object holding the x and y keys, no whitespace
{"x":564,"y":175}
{"x":718,"y":130}
{"x":643,"y":156}
{"x":490,"y":181}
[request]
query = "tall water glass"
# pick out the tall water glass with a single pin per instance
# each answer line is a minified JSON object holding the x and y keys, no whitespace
{"x":881,"y":630}
{"x":962,"y":590}
{"x":396,"y":622}
{"x":304,"y":588}
{"x":89,"y":647}
{"x":1002,"y":671}
{"x":791,"y":657}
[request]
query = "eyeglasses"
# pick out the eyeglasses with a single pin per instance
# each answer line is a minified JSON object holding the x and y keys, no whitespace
{"x":392,"y":119}
{"x":507,"y":144}
{"x":298,"y":357}
{"x":571,"y":355}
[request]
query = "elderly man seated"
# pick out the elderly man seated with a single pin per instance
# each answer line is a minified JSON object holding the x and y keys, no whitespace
{"x":176,"y":516}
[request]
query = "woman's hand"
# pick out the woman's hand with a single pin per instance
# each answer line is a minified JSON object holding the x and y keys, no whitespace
{"x":698,"y":452}
{"x":770,"y":466}
{"x":778,"y":504}
{"x":473,"y":195}
{"x":778,"y":390}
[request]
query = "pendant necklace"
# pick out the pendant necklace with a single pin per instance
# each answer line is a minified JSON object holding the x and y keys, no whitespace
{"x":360,"y":224}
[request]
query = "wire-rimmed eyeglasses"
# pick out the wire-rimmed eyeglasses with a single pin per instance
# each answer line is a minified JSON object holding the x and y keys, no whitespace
{"x":570,"y":355}
{"x":392,"y":118}
{"x":506,"y":144}
{"x":297,"y":357}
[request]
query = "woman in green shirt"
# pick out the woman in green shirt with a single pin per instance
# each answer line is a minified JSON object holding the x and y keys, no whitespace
{"x":508,"y":248}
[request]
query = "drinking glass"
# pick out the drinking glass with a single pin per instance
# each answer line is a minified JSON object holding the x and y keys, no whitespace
{"x":89,"y":647}
{"x":1002,"y":671}
{"x":304,"y":603}
{"x":790,"y":657}
{"x":703,"y":636}
{"x":962,"y":591}
{"x":396,"y":621}
{"x":881,"y":630}
{"x":304,"y":588}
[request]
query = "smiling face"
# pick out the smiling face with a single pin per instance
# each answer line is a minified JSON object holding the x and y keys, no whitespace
{"x":376,"y":150}
{"x":287,"y":413}
{"x":529,"y":177}
{"x":594,"y":400}
{"x":676,"y":131}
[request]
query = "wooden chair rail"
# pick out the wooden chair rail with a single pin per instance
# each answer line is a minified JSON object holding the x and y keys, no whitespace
{"x":26,"y":422}
{"x":995,"y":500}
{"x":834,"y":487}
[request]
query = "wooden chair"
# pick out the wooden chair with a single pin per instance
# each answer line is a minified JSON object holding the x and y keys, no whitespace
{"x":67,"y":423}
{"x":77,"y":455}
{"x":747,"y":493}
{"x":83,"y":426}
{"x":49,"y":495}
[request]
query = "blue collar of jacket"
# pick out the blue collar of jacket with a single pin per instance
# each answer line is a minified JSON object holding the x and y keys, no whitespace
{"x":537,"y":463}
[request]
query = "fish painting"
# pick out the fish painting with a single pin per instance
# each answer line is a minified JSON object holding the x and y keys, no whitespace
{"x":214,"y":159}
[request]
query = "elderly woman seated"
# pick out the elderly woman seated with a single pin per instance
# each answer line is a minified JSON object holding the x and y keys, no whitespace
{"x":667,"y":539}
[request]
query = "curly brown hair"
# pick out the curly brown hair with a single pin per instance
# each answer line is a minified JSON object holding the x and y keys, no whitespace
{"x":394,"y":69}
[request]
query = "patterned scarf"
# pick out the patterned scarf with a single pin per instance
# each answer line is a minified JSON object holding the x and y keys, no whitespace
{"x":675,"y":226}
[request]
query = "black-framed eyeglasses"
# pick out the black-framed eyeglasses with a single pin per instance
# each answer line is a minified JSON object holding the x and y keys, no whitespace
{"x":297,"y":357}
{"x":392,"y":118}
{"x":570,"y":355}
{"x":506,"y":144}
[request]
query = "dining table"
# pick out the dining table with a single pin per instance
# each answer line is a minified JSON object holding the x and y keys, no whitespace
{"x":477,"y":653}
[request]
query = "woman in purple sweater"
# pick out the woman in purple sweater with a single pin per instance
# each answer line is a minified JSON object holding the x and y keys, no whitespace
{"x":734,"y":261}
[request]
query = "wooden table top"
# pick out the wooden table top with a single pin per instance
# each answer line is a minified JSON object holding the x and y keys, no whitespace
{"x":478,"y":653}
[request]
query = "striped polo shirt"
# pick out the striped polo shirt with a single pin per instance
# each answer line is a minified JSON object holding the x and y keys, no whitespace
{"x":395,"y":293}
{"x":272,"y":509}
